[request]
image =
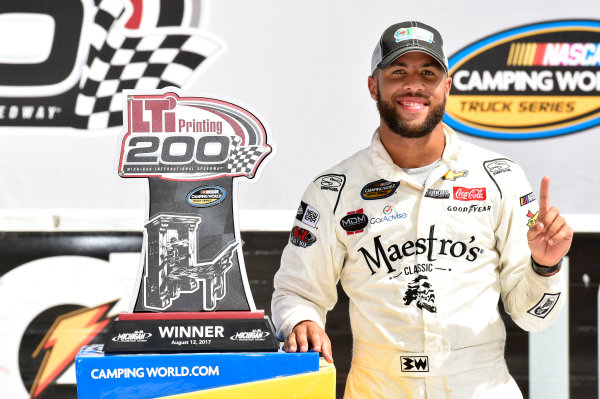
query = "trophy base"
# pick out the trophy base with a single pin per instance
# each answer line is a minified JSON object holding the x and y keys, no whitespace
{"x":191,"y":332}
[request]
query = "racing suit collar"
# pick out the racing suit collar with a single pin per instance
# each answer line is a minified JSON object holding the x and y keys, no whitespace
{"x":387,"y":169}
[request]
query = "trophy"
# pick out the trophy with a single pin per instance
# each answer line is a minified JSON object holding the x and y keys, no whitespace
{"x":192,"y":292}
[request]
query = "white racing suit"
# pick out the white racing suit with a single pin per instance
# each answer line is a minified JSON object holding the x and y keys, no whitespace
{"x":423,"y":268}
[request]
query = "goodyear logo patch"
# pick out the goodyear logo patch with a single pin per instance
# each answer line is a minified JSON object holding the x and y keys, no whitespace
{"x":533,"y":81}
{"x":206,"y":196}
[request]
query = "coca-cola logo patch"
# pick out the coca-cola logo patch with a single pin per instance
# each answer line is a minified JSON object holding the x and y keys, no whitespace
{"x":469,"y":194}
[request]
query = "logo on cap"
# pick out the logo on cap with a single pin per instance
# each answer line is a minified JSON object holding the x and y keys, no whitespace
{"x":413,"y":33}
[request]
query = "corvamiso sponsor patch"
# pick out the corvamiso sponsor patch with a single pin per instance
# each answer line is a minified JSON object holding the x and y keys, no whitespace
{"x":388,"y":215}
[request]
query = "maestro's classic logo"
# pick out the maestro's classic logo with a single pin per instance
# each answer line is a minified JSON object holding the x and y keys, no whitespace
{"x":206,"y":196}
{"x":528,"y":82}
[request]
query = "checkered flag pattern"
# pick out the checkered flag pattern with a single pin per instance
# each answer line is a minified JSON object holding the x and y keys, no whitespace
{"x":118,"y":60}
{"x":243,"y":159}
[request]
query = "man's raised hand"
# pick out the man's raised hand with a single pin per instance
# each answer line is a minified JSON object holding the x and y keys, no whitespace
{"x":550,"y":237}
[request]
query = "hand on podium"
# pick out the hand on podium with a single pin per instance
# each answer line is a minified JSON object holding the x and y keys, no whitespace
{"x":307,"y":334}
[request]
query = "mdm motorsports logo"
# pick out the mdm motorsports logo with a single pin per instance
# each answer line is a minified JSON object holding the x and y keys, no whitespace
{"x":67,"y":62}
{"x":533,"y":81}
{"x":190,"y":138}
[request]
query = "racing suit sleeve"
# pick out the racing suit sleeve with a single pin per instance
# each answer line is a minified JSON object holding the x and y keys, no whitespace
{"x":532,"y":300}
{"x":305,"y":285}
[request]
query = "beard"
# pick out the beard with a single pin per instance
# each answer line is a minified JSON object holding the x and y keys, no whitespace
{"x":405,"y":129}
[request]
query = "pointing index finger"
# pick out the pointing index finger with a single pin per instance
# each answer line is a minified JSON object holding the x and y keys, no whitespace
{"x":544,"y":197}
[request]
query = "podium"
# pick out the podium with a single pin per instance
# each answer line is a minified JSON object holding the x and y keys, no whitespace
{"x":202,"y":375}
{"x":193,"y":330}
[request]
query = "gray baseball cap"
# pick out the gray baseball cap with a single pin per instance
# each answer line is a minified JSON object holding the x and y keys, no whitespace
{"x":405,"y":37}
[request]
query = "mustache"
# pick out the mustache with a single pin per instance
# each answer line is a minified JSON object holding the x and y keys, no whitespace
{"x":410,"y":94}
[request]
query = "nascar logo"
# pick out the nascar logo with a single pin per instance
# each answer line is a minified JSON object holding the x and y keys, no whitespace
{"x":554,"y":54}
{"x":532,"y":81}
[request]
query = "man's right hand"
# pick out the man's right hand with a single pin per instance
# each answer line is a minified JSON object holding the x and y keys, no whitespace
{"x":308,"y":333}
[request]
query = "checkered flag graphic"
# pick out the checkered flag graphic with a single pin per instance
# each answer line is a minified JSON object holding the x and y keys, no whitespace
{"x":243,"y":159}
{"x":123,"y":59}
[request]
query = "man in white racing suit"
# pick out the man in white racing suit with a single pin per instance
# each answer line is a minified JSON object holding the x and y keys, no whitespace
{"x":425,"y":233}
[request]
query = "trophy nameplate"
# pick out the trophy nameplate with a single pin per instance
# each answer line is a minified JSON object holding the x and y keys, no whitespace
{"x":192,"y":150}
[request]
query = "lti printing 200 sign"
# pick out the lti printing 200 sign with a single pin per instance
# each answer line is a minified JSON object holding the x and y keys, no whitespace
{"x":528,"y":82}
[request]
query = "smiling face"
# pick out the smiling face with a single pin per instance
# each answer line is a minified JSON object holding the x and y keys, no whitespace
{"x":411,"y":94}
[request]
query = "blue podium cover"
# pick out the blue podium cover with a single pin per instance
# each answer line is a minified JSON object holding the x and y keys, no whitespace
{"x":100,"y":375}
